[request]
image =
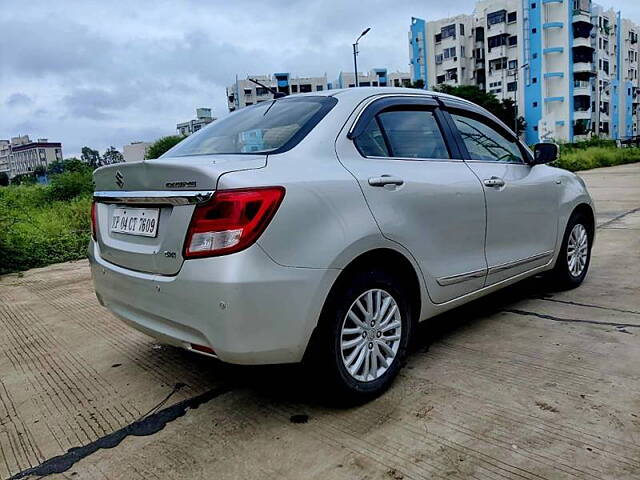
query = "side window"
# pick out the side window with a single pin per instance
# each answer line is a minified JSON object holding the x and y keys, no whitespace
{"x":413,"y":134}
{"x":371,"y":142}
{"x":485,"y":143}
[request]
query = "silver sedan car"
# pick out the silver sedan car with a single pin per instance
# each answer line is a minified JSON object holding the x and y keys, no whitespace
{"x":323,"y":227}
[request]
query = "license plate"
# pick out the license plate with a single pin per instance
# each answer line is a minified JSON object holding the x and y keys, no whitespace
{"x":135,"y":221}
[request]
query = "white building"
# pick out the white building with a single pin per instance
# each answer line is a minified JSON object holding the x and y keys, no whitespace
{"x":244,"y":92}
{"x":571,"y":66}
{"x":135,"y":151}
{"x":26,"y":155}
{"x":377,"y":77}
{"x":203,"y":118}
{"x":5,"y":153}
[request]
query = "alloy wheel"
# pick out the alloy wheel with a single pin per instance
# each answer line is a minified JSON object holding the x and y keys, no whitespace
{"x":577,"y":250}
{"x":370,"y":335}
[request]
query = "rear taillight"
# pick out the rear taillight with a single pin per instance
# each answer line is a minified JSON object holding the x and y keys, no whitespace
{"x":231,"y":221}
{"x":94,"y":220}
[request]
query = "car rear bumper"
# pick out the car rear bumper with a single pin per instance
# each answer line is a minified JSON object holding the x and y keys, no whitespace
{"x":246,"y":307}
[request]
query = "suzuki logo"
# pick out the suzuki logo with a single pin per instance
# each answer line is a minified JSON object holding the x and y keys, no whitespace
{"x":119,"y":179}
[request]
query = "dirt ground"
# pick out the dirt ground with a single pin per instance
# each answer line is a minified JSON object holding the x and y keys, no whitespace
{"x":525,"y":384}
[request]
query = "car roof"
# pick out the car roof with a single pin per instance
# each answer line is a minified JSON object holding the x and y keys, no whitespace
{"x":358,"y":94}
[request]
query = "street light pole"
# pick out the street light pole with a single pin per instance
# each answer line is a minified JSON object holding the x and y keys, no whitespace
{"x":355,"y":55}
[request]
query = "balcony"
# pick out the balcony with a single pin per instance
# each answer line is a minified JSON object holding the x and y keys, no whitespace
{"x":581,"y":87}
{"x":582,"y":115}
{"x":584,"y":67}
{"x":580,"y":15}
{"x":582,"y":42}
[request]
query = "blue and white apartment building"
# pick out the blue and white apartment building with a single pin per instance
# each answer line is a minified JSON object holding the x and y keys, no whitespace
{"x":571,"y":65}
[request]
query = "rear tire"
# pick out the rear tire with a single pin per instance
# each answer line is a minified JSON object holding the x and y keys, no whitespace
{"x":362,"y":337}
{"x":575,"y":253}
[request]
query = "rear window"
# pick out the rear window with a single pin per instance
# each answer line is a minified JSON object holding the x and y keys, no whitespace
{"x":268,"y":127}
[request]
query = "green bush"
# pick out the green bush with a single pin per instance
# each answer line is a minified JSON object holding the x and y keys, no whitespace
{"x":161,"y":145}
{"x":35,"y":231}
{"x":68,"y":185}
{"x":584,"y":157}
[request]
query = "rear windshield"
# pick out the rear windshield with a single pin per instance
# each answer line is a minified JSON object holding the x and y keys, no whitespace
{"x":268,"y":127}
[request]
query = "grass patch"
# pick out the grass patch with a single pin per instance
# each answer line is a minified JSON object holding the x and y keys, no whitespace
{"x":574,"y":158}
{"x":36,"y":230}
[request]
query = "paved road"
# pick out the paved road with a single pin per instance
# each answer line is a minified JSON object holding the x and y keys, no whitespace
{"x":526,"y":384}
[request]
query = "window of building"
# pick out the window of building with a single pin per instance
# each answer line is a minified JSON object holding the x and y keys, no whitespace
{"x":294,"y":88}
{"x":449,"y":52}
{"x":439,"y":58}
{"x":437,"y":38}
{"x":513,"y":40}
{"x":305,"y":88}
{"x":533,"y":5}
{"x":512,"y":17}
{"x":461,"y":29}
{"x":263,"y":91}
{"x":485,"y":142}
{"x":535,"y":104}
{"x":534,"y":30}
{"x":365,"y":84}
{"x":512,"y":86}
{"x":496,"y":17}
{"x":247,"y":91}
{"x":513,"y":64}
{"x":448,"y":31}
{"x":440,"y":79}
{"x":42,"y":154}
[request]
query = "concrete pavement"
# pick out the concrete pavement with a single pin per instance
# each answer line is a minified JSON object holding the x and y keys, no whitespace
{"x":525,"y":384}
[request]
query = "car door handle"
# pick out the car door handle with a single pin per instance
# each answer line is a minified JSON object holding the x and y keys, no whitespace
{"x":383,"y":180}
{"x":493,"y":182}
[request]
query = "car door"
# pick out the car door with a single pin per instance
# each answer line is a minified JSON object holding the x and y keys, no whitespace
{"x":420,"y":192}
{"x":522,"y":200}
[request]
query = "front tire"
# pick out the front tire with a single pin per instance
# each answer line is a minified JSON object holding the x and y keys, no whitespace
{"x":575,"y":253}
{"x":363,"y":336}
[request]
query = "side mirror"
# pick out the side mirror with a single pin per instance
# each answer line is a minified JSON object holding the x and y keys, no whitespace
{"x":544,"y":153}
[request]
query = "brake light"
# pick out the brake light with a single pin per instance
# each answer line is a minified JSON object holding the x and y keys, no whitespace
{"x":231,"y":221}
{"x":94,"y":220}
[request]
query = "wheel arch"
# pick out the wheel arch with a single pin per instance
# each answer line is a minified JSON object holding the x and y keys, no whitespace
{"x":388,"y":259}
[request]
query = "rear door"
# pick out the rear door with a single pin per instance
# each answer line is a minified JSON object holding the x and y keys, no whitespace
{"x":522,"y":200}
{"x":419,"y":191}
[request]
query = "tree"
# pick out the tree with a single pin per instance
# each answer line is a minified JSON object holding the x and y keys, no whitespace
{"x":72,"y":164}
{"x":505,"y":110}
{"x":161,"y":145}
{"x":91,"y":157}
{"x":4,"y":179}
{"x":111,"y":155}
{"x":419,"y":83}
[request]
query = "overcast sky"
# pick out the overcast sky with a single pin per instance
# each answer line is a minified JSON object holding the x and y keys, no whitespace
{"x":102,"y":73}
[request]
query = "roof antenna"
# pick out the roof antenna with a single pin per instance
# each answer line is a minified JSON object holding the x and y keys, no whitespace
{"x":276,"y":94}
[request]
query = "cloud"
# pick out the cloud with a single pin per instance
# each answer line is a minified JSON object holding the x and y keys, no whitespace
{"x":18,"y":100}
{"x":101,"y":73}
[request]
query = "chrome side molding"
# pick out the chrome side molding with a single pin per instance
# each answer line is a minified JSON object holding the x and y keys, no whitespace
{"x":461,"y":277}
{"x":517,"y":263}
{"x":154,"y":197}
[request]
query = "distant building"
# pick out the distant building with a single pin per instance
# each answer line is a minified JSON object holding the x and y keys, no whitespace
{"x":378,"y":77}
{"x":5,"y":153}
{"x":571,"y":67}
{"x":26,"y":155}
{"x":135,"y":151}
{"x":244,"y":92}
{"x":203,"y":118}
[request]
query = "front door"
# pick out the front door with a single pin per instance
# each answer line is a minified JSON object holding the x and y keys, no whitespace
{"x":522,"y":200}
{"x":420,"y":192}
